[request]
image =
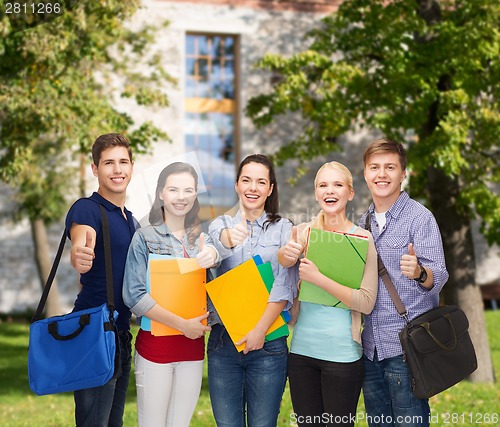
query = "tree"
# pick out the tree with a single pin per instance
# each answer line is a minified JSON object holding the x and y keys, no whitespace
{"x":424,"y":67}
{"x":60,"y":84}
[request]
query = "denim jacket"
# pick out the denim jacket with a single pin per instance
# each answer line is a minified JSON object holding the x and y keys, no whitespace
{"x":153,"y":239}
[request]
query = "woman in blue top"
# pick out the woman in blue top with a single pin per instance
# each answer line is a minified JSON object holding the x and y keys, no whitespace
{"x":247,"y":387}
{"x":168,"y":369}
{"x":325,"y":364}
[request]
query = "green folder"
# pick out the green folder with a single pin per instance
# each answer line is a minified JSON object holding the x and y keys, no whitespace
{"x":339,"y":256}
{"x":266,"y":272}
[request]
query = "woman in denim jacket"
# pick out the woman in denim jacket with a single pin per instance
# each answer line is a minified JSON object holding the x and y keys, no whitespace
{"x":247,"y":387}
{"x":168,"y":369}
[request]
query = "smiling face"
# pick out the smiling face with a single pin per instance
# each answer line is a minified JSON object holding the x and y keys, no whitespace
{"x":253,"y":188}
{"x":178,"y":194}
{"x":384,"y":176}
{"x":332,"y":190}
{"x":114,"y":172}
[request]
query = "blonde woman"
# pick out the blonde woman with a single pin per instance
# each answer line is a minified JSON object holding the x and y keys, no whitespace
{"x":325,"y":363}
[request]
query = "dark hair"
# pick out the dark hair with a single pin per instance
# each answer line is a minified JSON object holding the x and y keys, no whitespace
{"x":192,"y":222}
{"x":109,"y":140}
{"x":272,"y":204}
{"x":384,"y":145}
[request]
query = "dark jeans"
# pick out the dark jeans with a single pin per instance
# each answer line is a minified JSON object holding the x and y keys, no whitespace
{"x":388,"y":394}
{"x":324,"y":393}
{"x":245,"y":389}
{"x":103,"y":406}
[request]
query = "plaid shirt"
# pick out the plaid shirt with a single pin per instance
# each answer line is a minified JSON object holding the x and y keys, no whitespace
{"x":407,"y":222}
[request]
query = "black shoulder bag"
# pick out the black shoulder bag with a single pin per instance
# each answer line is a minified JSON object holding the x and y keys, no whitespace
{"x":436,"y":345}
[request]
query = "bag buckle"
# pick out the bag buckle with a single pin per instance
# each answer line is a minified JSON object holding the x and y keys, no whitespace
{"x":404,"y":316}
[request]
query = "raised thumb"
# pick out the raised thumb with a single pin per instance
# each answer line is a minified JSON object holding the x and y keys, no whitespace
{"x":411,"y":251}
{"x":201,"y":242}
{"x":294,"y":237}
{"x":88,"y":239}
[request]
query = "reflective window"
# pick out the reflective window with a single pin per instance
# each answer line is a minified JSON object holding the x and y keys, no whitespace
{"x":210,"y":108}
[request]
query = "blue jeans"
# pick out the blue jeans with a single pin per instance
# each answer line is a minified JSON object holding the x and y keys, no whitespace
{"x":245,"y":388}
{"x":103,"y":406}
{"x":389,"y":399}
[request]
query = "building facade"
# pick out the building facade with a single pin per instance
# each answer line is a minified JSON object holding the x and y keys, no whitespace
{"x":211,"y":48}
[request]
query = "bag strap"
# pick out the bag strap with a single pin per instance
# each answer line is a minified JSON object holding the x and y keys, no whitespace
{"x":50,"y":279}
{"x":384,"y":275}
{"x":108,"y":261}
{"x":57,"y":259}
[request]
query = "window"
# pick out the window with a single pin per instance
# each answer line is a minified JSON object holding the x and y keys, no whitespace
{"x":210,"y":115}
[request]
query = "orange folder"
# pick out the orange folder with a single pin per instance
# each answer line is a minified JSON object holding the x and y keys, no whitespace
{"x":178,"y":285}
{"x":240,"y":297}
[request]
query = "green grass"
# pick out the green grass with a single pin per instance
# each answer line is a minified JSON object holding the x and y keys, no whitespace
{"x":465,"y":404}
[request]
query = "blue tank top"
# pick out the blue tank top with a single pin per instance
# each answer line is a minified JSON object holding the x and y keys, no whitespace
{"x":324,"y":333}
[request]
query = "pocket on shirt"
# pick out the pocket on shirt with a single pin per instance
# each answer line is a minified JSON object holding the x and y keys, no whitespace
{"x":397,"y":241}
{"x":268,"y":243}
{"x":160,"y":248}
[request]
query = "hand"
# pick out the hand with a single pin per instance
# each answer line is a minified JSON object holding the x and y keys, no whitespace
{"x":206,"y":255}
{"x":308,"y":270}
{"x":293,"y":249}
{"x":254,"y":340}
{"x":239,"y":232}
{"x":409,"y":264}
{"x":83,"y":256}
{"x":194,"y":329}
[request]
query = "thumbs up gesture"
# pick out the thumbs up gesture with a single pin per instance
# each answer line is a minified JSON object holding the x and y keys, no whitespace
{"x":409,"y":263}
{"x":239,"y":232}
{"x":82,"y":257}
{"x":293,"y":248}
{"x":206,"y":254}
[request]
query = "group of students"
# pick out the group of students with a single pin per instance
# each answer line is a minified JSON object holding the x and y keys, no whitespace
{"x":330,"y":360}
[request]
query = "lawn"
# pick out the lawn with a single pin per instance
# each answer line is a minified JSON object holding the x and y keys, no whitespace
{"x":465,"y":404}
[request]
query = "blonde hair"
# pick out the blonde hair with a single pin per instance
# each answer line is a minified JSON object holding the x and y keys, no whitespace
{"x":319,"y":220}
{"x":338,"y":167}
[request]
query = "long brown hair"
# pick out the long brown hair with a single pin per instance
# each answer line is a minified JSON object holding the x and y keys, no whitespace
{"x":272,"y":204}
{"x":192,"y":223}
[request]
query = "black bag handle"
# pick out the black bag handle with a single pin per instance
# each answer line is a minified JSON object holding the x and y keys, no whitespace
{"x":427,"y":327}
{"x":384,"y":275}
{"x":57,"y":259}
{"x":84,"y":321}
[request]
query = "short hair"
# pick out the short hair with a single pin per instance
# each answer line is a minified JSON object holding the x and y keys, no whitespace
{"x":339,"y":167}
{"x":385,"y":145}
{"x":109,"y":140}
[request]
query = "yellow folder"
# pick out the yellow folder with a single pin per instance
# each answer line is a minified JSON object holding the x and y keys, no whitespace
{"x":178,"y":285}
{"x":339,"y":256}
{"x":240,"y":297}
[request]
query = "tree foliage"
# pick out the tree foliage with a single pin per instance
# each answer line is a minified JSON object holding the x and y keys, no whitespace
{"x":426,"y":68}
{"x":61,"y":85}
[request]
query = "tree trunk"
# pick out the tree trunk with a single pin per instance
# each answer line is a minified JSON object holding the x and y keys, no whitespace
{"x":44,"y":264}
{"x":461,"y":288}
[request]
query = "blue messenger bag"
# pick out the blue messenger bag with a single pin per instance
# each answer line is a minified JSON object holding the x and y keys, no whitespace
{"x":77,"y":350}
